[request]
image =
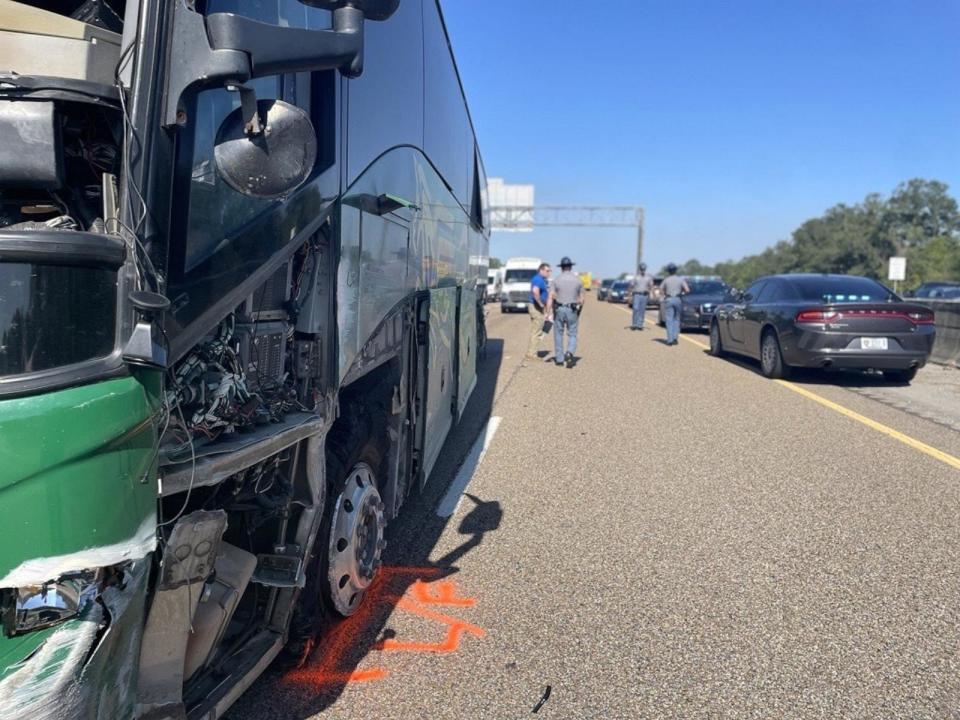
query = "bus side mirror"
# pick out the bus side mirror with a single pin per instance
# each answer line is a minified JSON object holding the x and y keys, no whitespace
{"x":226,"y":48}
{"x":265,"y":148}
{"x":273,"y":49}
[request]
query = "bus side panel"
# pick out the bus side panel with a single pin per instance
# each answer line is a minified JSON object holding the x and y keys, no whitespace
{"x":467,"y":350}
{"x":441,"y":382}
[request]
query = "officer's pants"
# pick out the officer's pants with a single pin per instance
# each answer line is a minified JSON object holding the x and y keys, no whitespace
{"x":639,"y":309}
{"x":672,"y":309}
{"x":565,"y":319}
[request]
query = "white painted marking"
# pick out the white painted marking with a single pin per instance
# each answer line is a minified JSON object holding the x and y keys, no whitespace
{"x":451,"y":501}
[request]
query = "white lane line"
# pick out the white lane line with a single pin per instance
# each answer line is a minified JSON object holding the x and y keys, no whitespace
{"x":451,"y":501}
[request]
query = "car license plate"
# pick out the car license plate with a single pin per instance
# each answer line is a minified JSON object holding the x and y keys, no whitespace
{"x":521,"y":306}
{"x":873,"y":343}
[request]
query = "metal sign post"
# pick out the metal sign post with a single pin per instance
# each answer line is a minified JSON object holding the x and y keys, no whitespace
{"x":897,"y":272}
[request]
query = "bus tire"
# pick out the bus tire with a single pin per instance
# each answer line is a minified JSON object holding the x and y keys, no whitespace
{"x":353,"y":466}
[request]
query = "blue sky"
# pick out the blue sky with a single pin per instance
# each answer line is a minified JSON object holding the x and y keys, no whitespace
{"x":731,"y":122}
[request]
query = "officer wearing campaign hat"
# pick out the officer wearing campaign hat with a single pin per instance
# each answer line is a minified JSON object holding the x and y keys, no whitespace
{"x":672,"y":287}
{"x":567,"y":304}
{"x":642,"y":287}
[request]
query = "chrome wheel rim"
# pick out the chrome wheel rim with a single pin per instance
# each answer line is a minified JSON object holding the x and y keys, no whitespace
{"x":356,"y":539}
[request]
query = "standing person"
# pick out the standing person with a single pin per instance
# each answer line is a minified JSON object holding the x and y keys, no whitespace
{"x":672,"y":287}
{"x":539,"y":309}
{"x":567,"y":304}
{"x":642,"y":285}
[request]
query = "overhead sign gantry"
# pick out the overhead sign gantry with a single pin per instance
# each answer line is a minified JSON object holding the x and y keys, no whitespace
{"x":512,"y":209}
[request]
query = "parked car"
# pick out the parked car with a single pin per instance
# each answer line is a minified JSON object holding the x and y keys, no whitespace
{"x":619,"y":292}
{"x":824,"y":321}
{"x":653,"y":299}
{"x":604,"y":288}
{"x":698,"y":306}
{"x":941,"y":289}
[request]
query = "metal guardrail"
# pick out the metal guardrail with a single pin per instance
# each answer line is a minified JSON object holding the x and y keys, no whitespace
{"x":946,"y":348}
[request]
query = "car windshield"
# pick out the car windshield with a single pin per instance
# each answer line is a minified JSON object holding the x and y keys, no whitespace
{"x":707,"y":287}
{"x":519,"y":275}
{"x":832,"y":290}
{"x":621,"y":285}
{"x":606,"y":283}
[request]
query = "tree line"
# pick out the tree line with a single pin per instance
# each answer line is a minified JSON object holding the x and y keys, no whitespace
{"x":920,"y":220}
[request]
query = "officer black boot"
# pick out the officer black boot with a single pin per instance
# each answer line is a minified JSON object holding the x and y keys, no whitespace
{"x":568,"y":359}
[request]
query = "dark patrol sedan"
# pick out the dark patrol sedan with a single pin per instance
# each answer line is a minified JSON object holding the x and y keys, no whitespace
{"x":824,"y":321}
{"x":604,"y":288}
{"x":619,"y":292}
{"x":699,"y":304}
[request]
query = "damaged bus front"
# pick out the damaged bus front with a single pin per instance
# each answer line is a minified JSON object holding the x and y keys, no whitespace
{"x":78,"y":424}
{"x":241,"y":247}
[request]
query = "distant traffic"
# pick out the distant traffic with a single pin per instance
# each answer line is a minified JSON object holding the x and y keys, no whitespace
{"x":788,"y":321}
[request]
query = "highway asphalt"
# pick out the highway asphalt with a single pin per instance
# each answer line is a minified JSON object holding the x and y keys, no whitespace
{"x":657,"y":533}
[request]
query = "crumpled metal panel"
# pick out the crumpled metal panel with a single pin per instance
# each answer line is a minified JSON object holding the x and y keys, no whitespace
{"x":85,"y":670}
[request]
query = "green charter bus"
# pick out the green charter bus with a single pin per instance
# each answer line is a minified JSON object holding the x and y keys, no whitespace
{"x":243,"y":244}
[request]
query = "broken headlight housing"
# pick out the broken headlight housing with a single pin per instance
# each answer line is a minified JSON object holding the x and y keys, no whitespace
{"x":34,"y":607}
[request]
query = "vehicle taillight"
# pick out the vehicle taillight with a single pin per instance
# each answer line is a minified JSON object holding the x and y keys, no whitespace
{"x":815,"y":317}
{"x":923,"y":317}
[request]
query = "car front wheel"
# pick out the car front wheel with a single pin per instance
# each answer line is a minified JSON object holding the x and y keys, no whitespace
{"x":716,"y":346}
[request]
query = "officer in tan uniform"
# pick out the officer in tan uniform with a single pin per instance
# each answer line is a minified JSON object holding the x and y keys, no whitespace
{"x":567,"y":303}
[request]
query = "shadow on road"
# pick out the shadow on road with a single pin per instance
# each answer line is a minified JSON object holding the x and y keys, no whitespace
{"x":813,"y":376}
{"x":411,"y":539}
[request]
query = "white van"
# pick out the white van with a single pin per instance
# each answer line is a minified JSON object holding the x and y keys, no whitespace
{"x":518,"y":272}
{"x":494,"y":284}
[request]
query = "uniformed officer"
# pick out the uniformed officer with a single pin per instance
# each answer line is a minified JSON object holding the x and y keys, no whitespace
{"x":539,"y":309}
{"x":567,"y":303}
{"x":672,"y":287}
{"x":642,"y":286}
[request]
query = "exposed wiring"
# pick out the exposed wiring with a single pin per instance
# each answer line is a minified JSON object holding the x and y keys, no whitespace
{"x":193,"y":471}
{"x":142,"y":257}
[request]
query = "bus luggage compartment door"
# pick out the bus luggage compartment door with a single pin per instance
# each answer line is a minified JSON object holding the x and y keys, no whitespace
{"x":441,"y":381}
{"x":467,"y":348}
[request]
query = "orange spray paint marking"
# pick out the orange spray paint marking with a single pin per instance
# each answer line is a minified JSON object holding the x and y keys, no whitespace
{"x":455,"y":630}
{"x":335,"y":646}
{"x":445,"y":595}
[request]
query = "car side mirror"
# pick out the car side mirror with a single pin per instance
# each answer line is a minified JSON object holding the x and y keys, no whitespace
{"x":745,"y":297}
